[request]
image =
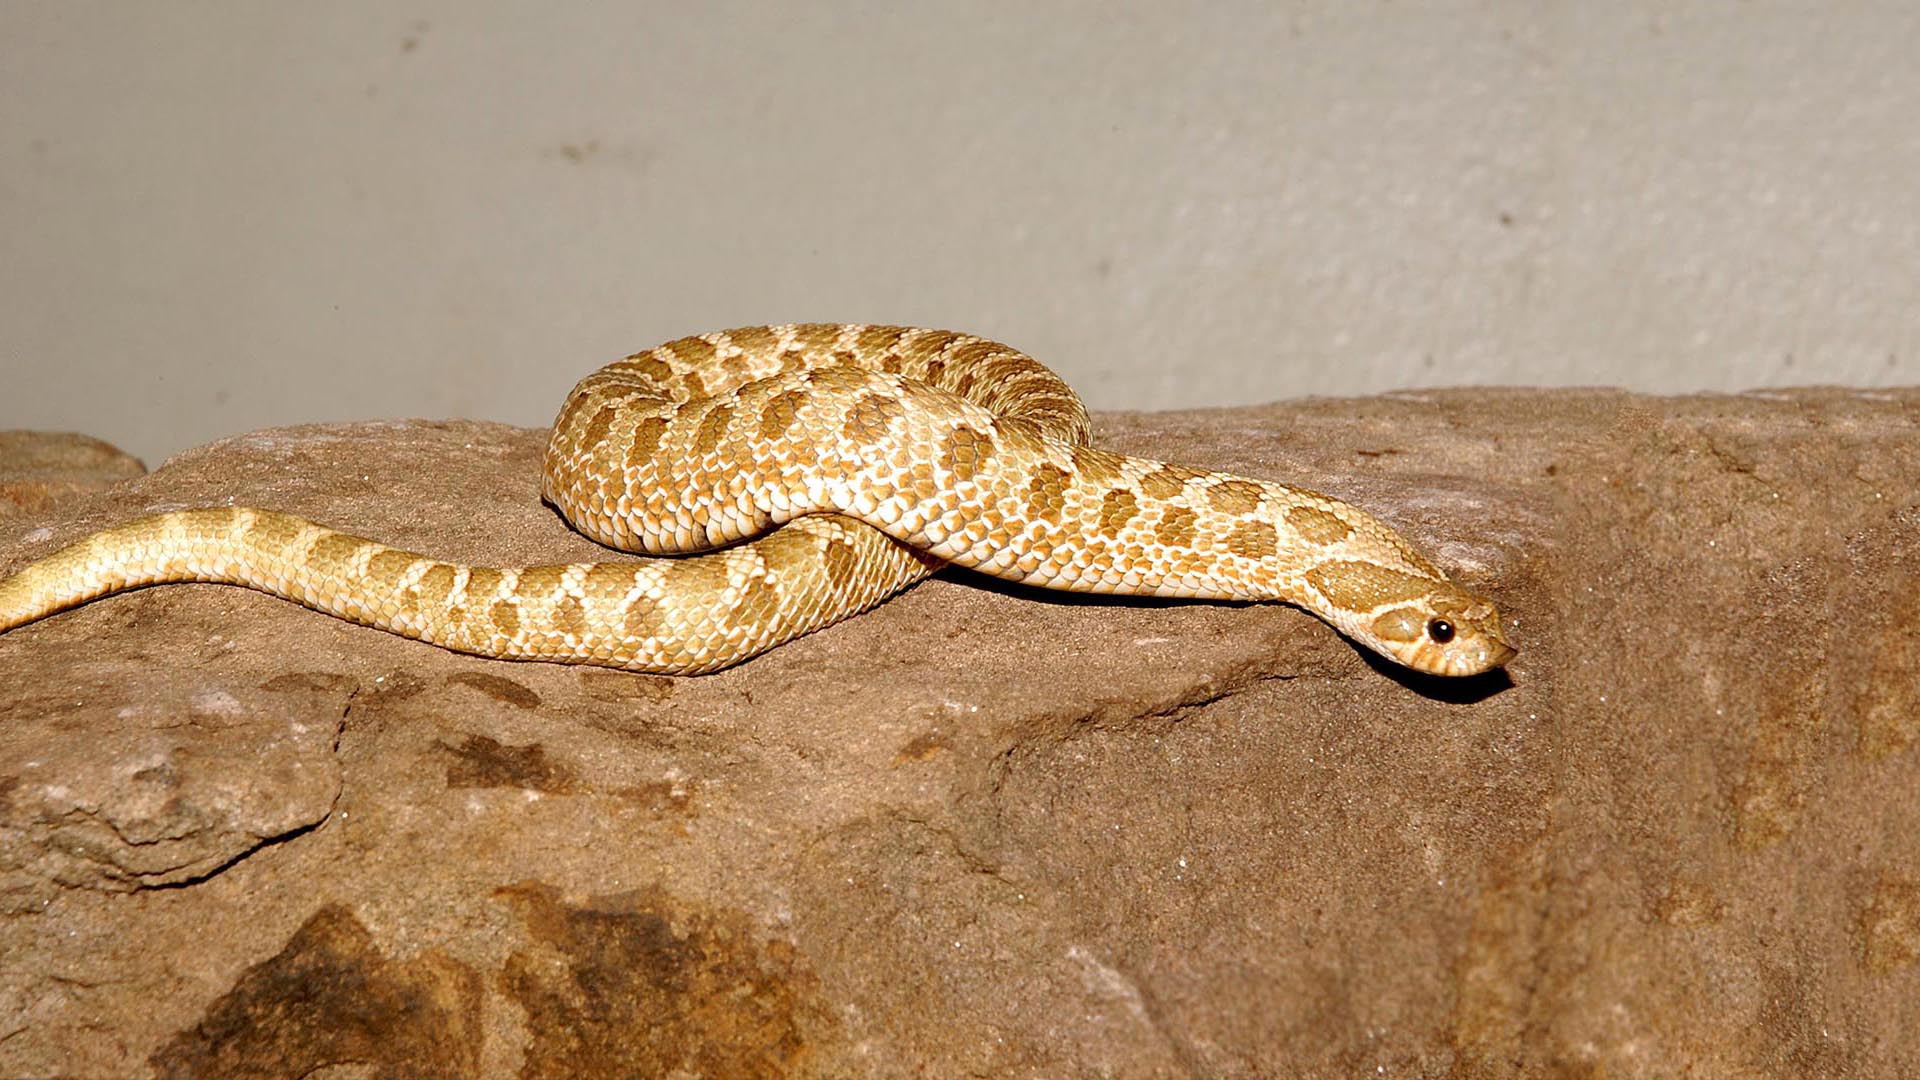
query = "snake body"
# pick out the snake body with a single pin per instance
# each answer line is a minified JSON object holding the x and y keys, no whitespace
{"x":820,"y":468}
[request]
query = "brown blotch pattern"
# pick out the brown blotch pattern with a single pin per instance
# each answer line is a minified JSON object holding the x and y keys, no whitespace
{"x":965,"y":452}
{"x":713,"y":428}
{"x":842,"y":562}
{"x":570,"y":616}
{"x":482,"y":583}
{"x":1364,"y":586}
{"x":758,"y":603}
{"x":645,"y":441}
{"x":596,"y":431}
{"x":1176,"y":527}
{"x":390,"y":564}
{"x":275,"y":532}
{"x":651,"y":367}
{"x":703,"y":579}
{"x":739,"y":372}
{"x":1253,"y":540}
{"x":692,"y":385}
{"x":336,"y":549}
{"x":817,"y":337}
{"x":1047,"y":494}
{"x":641,"y":619}
{"x":609,"y":581}
{"x":781,"y":413}
{"x":1317,"y":526}
{"x":693,"y":351}
{"x":1167,"y":481}
{"x":541,"y":581}
{"x":753,"y":340}
{"x":1236,"y":496}
{"x":436,"y":583}
{"x":1116,"y":509}
{"x":872,"y":415}
{"x":505,"y":617}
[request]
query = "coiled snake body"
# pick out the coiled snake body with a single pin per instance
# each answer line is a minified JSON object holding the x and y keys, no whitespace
{"x":856,"y":460}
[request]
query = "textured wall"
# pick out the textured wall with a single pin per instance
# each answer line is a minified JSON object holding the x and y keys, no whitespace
{"x":228,"y":215}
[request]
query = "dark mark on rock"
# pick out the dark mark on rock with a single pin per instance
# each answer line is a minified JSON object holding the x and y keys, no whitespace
{"x":480,"y":762}
{"x":498,"y":688}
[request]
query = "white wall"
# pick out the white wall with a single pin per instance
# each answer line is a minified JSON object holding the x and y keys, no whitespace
{"x":219,"y":216}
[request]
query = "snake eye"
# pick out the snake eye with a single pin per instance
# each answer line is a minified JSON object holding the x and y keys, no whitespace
{"x":1440,"y":630}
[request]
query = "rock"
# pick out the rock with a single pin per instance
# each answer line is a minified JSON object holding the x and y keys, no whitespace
{"x":983,"y":830}
{"x":41,"y":468}
{"x":167,"y":780}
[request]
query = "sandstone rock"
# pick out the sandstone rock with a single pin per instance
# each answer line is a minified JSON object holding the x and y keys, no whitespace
{"x":41,"y":468}
{"x":988,"y":831}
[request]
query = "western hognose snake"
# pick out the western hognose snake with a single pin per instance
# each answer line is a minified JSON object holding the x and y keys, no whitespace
{"x":862,"y":458}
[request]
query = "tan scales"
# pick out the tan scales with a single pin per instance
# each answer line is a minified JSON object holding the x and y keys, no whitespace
{"x":831,"y":466}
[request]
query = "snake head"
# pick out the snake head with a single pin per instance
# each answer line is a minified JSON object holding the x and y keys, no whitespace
{"x":1446,"y":632}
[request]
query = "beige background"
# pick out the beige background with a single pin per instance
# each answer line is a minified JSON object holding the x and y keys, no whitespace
{"x":219,"y":216}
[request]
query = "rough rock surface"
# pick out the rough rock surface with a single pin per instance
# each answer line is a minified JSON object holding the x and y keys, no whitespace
{"x":983,"y":831}
{"x":41,"y":468}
